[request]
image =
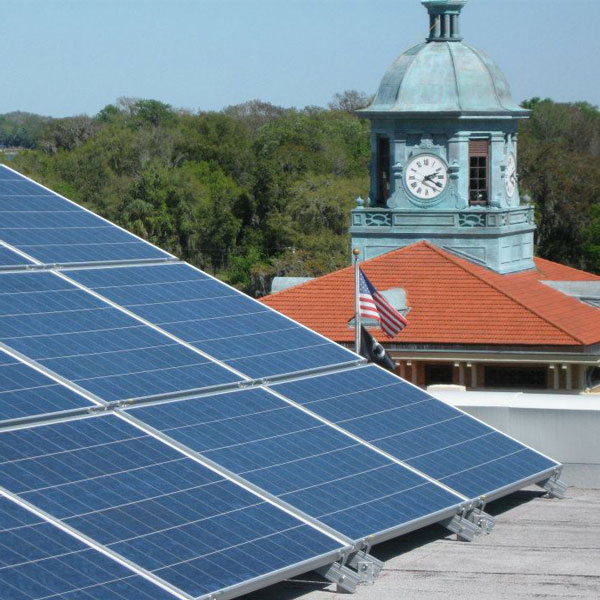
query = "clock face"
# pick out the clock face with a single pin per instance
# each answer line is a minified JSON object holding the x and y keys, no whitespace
{"x":426,"y":176}
{"x":510,"y":175}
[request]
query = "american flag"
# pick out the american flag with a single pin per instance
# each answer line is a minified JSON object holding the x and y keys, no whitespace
{"x":373,"y":305}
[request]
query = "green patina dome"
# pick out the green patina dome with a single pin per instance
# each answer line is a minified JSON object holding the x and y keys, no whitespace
{"x":443,"y":75}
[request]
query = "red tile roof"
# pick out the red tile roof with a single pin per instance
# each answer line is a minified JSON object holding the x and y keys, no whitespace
{"x":452,"y":301}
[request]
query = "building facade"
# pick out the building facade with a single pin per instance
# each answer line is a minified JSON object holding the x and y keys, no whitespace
{"x":446,"y":235}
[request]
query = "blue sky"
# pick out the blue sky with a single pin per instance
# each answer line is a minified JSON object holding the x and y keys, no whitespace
{"x":66,"y":57}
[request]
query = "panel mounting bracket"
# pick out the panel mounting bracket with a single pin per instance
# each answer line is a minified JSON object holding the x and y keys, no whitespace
{"x":470,"y":522}
{"x":367,"y":566}
{"x":345,"y":579}
{"x":554,"y":486}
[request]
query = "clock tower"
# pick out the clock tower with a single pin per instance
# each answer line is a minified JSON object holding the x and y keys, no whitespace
{"x":444,"y":154}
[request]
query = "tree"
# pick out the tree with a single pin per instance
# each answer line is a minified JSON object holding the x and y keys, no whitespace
{"x":350,"y":101}
{"x":559,"y":168}
{"x":255,"y":113}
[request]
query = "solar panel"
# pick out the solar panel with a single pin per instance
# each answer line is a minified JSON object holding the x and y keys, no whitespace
{"x":25,"y":392}
{"x":51,"y":229}
{"x":95,"y":345}
{"x":411,"y":425}
{"x":38,"y":561}
{"x":301,"y":460}
{"x":151,"y":504}
{"x":232,"y":327}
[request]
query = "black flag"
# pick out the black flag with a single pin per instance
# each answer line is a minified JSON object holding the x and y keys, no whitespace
{"x":373,"y":351}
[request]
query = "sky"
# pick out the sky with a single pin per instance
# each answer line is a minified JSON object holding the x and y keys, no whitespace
{"x":68,"y":57}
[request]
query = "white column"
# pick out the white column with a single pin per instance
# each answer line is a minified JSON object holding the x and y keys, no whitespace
{"x":402,"y":366}
{"x":582,"y":380}
{"x":568,"y":378}
{"x":461,"y":372}
{"x":412,"y":375}
{"x":473,"y":374}
{"x":554,"y":370}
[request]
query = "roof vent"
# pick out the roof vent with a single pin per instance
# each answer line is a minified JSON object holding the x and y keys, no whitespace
{"x":443,"y":19}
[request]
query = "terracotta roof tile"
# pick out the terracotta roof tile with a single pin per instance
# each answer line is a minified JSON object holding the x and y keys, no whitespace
{"x":452,"y":301}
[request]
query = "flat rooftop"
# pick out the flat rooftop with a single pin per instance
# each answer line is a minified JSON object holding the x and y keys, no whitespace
{"x":539,"y":548}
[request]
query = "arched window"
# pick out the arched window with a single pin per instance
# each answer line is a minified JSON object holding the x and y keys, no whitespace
{"x":478,"y":172}
{"x":383,"y":169}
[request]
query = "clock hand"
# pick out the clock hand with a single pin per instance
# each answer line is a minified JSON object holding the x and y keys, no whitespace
{"x":436,"y":183}
{"x":430,"y":178}
{"x":427,"y":183}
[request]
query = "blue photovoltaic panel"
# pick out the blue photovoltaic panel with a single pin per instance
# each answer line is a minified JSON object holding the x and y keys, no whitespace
{"x":301,"y":460}
{"x":25,"y":392}
{"x":411,"y":425}
{"x":152,"y":505}
{"x":100,"y":348}
{"x":38,"y":561}
{"x":54,"y":230}
{"x":8,"y":258}
{"x":215,"y":318}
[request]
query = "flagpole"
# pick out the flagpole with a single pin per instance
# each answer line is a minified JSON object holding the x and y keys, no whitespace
{"x":356,"y":253}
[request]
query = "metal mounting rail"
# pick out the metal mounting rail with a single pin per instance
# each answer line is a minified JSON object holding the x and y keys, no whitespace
{"x":148,"y":262}
{"x":99,"y":405}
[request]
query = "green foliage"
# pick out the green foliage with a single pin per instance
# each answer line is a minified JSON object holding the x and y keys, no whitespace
{"x":592,"y":239}
{"x":559,"y":167}
{"x":21,"y":129}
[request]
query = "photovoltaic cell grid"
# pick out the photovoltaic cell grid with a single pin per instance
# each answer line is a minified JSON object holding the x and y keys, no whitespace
{"x":95,"y":345}
{"x":245,"y":334}
{"x":8,"y":258}
{"x":153,"y":505}
{"x":38,"y":561}
{"x":409,"y":424}
{"x":301,"y":460}
{"x":54,"y":230}
{"x":25,"y":392}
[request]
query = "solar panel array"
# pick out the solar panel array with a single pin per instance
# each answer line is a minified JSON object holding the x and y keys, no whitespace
{"x":163,"y":435}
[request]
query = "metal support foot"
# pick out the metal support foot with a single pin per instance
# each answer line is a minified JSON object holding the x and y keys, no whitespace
{"x":470,"y":523}
{"x":367,"y":567}
{"x":345,"y":579}
{"x":555,"y":487}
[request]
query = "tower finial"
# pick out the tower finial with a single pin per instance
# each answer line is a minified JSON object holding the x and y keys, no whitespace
{"x":443,"y":19}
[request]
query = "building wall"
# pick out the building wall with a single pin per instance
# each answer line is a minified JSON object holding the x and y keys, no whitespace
{"x":563,"y":427}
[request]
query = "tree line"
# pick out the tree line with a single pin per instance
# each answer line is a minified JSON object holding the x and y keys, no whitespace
{"x":257,"y":190}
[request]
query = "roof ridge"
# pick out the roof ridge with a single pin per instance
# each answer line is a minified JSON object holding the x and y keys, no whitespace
{"x":411,"y":64}
{"x":592,"y":276}
{"x":456,"y":85}
{"x":478,"y":54}
{"x":455,"y":260}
